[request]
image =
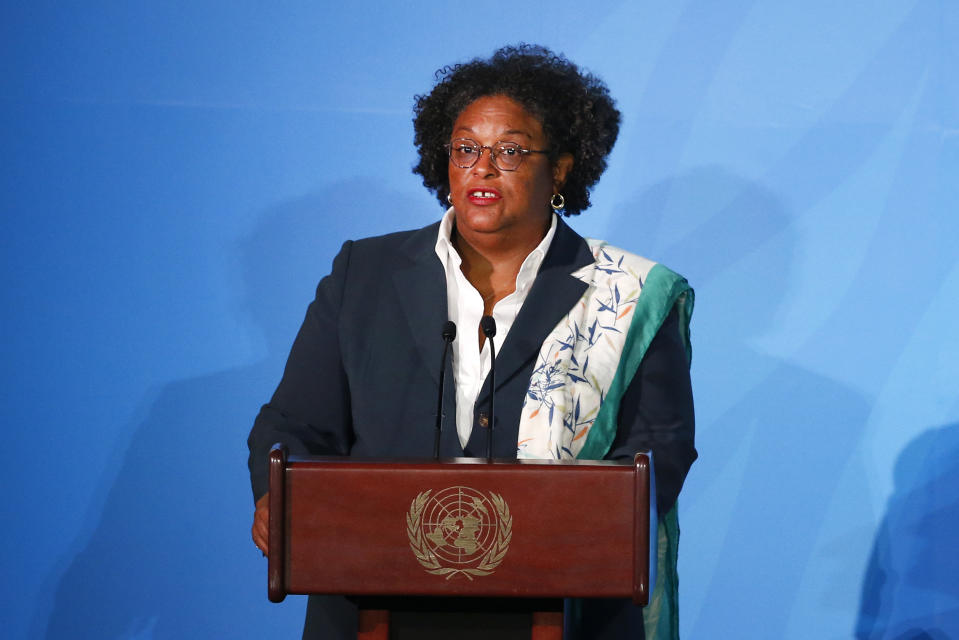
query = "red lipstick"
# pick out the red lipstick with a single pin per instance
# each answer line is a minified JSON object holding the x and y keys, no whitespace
{"x":482,"y":195}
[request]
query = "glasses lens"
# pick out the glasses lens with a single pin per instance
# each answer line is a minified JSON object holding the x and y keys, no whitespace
{"x":465,"y":152}
{"x":509,"y":156}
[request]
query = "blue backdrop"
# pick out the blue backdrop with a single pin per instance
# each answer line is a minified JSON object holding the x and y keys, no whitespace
{"x":166,"y":164}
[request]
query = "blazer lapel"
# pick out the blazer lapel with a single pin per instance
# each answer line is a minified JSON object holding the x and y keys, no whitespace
{"x":553,"y":294}
{"x":421,"y":289}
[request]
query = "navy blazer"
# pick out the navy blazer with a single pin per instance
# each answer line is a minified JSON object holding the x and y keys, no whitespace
{"x":363,"y":374}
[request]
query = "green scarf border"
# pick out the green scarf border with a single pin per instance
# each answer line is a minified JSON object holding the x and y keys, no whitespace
{"x":663,"y":290}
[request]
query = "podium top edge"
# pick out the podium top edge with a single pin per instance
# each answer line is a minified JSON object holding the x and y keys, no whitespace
{"x":430,"y":462}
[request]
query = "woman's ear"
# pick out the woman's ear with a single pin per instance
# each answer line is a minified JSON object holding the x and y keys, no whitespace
{"x":561,"y":169}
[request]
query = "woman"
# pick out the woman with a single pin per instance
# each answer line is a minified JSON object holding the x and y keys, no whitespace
{"x":591,"y":341}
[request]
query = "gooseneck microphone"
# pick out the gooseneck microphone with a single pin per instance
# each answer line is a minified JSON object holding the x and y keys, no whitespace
{"x":488,"y":325}
{"x":449,"y":334}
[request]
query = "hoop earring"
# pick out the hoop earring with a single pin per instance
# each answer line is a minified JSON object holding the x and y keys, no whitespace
{"x":559,"y":205}
{"x":449,"y":198}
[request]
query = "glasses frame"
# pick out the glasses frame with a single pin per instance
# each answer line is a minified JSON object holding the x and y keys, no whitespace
{"x":493,"y":154}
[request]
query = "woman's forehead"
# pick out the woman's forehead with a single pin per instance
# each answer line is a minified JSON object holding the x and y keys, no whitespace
{"x":498,"y":115}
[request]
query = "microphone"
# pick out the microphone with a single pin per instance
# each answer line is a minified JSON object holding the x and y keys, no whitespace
{"x":449,"y":334}
{"x":488,"y":325}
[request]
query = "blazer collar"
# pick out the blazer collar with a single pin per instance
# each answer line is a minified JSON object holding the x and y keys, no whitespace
{"x":553,"y":294}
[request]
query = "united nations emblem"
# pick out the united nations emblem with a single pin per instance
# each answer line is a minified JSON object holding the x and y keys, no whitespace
{"x":459,"y":531}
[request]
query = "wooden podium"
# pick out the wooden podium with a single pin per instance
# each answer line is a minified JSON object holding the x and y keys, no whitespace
{"x":394,"y":532}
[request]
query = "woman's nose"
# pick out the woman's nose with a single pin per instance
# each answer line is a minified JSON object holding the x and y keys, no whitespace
{"x":484,"y":165}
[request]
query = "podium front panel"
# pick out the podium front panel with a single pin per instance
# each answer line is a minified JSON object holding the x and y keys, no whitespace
{"x":504,"y":529}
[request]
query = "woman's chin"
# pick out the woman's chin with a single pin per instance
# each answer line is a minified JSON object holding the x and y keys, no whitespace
{"x":479,"y":220}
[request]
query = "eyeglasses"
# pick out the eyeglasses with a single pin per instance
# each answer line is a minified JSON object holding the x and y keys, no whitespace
{"x":506,"y":156}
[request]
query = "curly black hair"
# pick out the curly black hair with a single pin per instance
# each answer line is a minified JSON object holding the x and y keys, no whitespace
{"x":577,"y":113}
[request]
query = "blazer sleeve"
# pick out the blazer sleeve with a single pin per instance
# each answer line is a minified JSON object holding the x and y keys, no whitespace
{"x":656,"y":413}
{"x":310,"y":409}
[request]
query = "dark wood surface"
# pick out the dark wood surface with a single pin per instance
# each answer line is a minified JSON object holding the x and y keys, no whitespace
{"x":641,"y":527}
{"x":374,"y":624}
{"x":547,"y":625}
{"x":277,"y":561}
{"x":424,"y":618}
{"x":577,"y":529}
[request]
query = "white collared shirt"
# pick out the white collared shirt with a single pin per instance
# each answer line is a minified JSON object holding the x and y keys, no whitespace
{"x":465,"y":308}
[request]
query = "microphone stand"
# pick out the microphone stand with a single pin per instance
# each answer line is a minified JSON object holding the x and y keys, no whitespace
{"x":449,"y":334}
{"x":489,"y":330}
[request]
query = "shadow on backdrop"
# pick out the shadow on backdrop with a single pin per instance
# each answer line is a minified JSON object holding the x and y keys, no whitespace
{"x":777,"y":425}
{"x":170,"y":554}
{"x":777,"y":437}
{"x":911,"y":587}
